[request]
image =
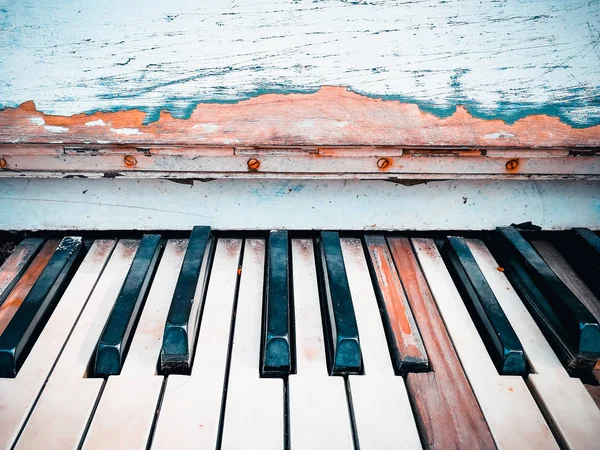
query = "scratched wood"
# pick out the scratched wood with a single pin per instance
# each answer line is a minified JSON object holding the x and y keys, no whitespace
{"x":447,"y":411}
{"x":16,"y":297}
{"x":254,"y":72}
{"x":404,"y":339}
{"x":343,"y":118}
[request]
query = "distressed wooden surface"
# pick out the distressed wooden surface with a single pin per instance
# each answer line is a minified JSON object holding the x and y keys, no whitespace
{"x":263,"y":72}
{"x":124,"y":204}
{"x":331,"y":116}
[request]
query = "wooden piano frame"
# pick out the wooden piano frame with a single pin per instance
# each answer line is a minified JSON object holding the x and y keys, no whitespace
{"x":332,"y":159}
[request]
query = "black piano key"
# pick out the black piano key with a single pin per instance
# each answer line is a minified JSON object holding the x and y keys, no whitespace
{"x":25,"y":326}
{"x":578,"y":321}
{"x":500,"y":338}
{"x":343,"y":346}
{"x":114,"y":341}
{"x":276,"y":354}
{"x":548,"y":321}
{"x":581,"y":249}
{"x":184,"y":314}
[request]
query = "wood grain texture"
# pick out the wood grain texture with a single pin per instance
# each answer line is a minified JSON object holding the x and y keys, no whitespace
{"x":447,"y":410}
{"x":330,"y":116}
{"x":16,"y":263}
{"x":403,"y":335}
{"x":16,"y":297}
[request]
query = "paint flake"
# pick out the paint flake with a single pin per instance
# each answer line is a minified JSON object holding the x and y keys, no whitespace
{"x":55,"y":129}
{"x":126,"y":131}
{"x":96,"y":123}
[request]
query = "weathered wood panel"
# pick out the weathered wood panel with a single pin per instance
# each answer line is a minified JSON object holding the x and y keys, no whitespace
{"x":111,"y":204}
{"x":253,"y":72}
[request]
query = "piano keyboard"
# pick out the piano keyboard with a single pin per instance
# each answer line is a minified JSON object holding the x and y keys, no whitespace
{"x":301,"y":341}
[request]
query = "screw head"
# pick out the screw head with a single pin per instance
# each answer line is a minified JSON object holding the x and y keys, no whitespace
{"x":512,"y":164}
{"x":253,"y":164}
{"x":382,"y":163}
{"x":130,"y":161}
{"x":3,"y":164}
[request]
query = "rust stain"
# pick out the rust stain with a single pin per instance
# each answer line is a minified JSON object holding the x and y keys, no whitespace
{"x":500,"y":269}
{"x":279,"y":119}
{"x":510,"y":389}
{"x":512,"y":166}
{"x":129,"y":161}
{"x":384,"y":163}
{"x":18,"y":294}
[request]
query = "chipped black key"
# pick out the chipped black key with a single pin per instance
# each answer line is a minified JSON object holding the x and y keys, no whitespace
{"x":25,"y":326}
{"x":578,"y":321}
{"x":184,"y":314}
{"x":498,"y":334}
{"x":343,"y":346}
{"x":114,"y":341}
{"x":276,"y":353}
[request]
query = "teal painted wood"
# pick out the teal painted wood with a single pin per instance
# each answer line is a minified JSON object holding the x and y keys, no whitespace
{"x":500,"y":59}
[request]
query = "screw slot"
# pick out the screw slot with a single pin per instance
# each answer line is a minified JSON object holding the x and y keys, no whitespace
{"x":253,"y":164}
{"x":130,"y":160}
{"x":3,"y":164}
{"x":512,"y":164}
{"x":382,"y":163}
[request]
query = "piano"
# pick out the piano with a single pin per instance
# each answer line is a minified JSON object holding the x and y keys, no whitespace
{"x":296,"y":339}
{"x":299,"y":225}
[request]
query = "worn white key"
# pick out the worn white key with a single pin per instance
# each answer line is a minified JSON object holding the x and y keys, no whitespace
{"x":18,"y":395}
{"x":382,"y":410}
{"x":254,"y":405}
{"x":62,"y":412}
{"x":564,"y":400}
{"x":126,"y":410}
{"x":191,"y":407}
{"x":507,"y":405}
{"x":318,"y":415}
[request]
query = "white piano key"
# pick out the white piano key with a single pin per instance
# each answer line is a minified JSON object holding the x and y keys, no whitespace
{"x":126,"y":410}
{"x":63,"y":410}
{"x":318,"y":411}
{"x":564,"y":400}
{"x":254,"y":406}
{"x":191,"y":406}
{"x":382,"y":410}
{"x":18,"y":395}
{"x":507,"y":405}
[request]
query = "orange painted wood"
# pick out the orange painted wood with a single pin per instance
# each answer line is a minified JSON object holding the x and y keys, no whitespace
{"x":332,"y":116}
{"x":446,"y":408}
{"x":16,"y":263}
{"x":24,"y":285}
{"x":401,"y":330}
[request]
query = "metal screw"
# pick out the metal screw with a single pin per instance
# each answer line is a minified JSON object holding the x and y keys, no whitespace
{"x":253,"y":164}
{"x":512,"y":164}
{"x":3,"y":164}
{"x":130,"y":160}
{"x":382,"y":163}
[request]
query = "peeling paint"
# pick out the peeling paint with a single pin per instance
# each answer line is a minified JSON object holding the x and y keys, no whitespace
{"x":499,"y":135}
{"x":37,"y":120}
{"x":55,"y":129}
{"x":127,"y":131}
{"x":500,"y":60}
{"x":95,"y":123}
